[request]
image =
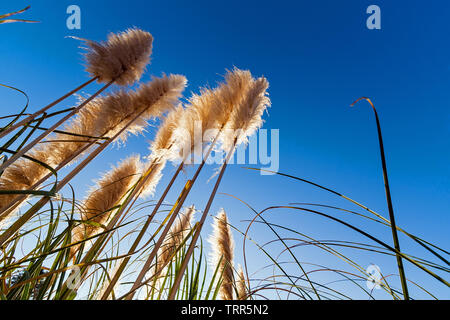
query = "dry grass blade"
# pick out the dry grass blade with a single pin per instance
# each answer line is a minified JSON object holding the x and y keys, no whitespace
{"x":6,"y":15}
{"x":389,"y":201}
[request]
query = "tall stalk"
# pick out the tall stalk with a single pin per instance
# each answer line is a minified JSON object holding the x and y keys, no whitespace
{"x":389,"y":202}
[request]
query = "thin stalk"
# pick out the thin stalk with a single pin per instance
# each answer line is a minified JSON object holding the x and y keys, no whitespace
{"x":173,"y":215}
{"x":190,"y":251}
{"x":41,"y":111}
{"x":52,"y":128}
{"x":389,"y":203}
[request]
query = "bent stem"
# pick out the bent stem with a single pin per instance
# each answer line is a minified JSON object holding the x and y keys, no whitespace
{"x":389,"y":202}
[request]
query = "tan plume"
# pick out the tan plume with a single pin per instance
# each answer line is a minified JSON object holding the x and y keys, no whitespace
{"x":164,"y":137}
{"x":223,"y":252}
{"x":123,"y":57}
{"x":154,"y":172}
{"x":241,"y":287}
{"x":22,"y":175}
{"x":246,"y":118}
{"x":211,"y":109}
{"x":108,"y":192}
{"x":102,"y":116}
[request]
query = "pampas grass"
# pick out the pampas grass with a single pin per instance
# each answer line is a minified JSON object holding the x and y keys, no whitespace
{"x":152,"y":99}
{"x":154,"y":176}
{"x":21,"y":175}
{"x":122,"y":58}
{"x":247,"y":114}
{"x":108,"y":192}
{"x":102,"y":116}
{"x":222,"y":244}
{"x":171,"y":264}
{"x":246,"y":118}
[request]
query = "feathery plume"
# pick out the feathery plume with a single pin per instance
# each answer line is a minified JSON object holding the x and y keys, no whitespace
{"x":154,"y":176}
{"x":109,"y":114}
{"x":123,"y":57}
{"x":211,"y":109}
{"x":21,"y":175}
{"x":246,"y":118}
{"x":152,"y":99}
{"x":102,"y":116}
{"x":107,"y":193}
{"x":164,"y":138}
{"x":241,"y":287}
{"x":223,"y":248}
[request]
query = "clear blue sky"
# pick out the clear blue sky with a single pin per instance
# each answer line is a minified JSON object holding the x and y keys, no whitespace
{"x":318,"y":57}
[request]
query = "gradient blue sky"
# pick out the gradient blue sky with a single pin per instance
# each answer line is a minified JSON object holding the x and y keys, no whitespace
{"x":318,"y":57}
